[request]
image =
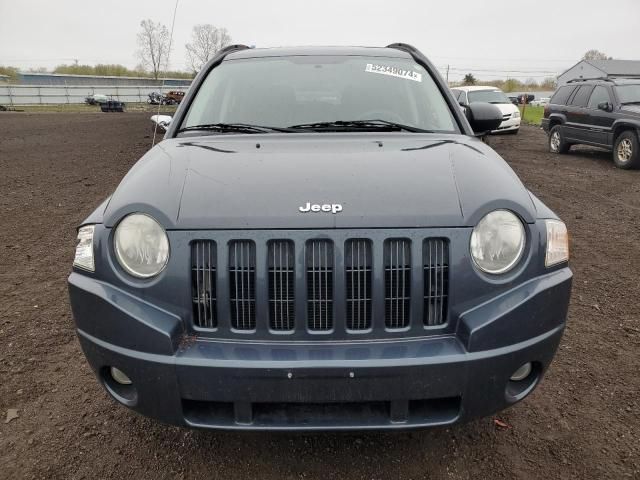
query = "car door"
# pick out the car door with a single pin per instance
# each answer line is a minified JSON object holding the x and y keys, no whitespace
{"x":577,"y":127}
{"x":601,"y":120}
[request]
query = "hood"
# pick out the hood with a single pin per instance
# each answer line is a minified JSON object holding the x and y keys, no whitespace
{"x":633,"y":109}
{"x":506,"y":108}
{"x":261,"y":181}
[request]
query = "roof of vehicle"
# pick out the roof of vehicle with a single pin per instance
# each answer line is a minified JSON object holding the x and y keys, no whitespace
{"x":291,"y":51}
{"x":475,"y":88}
{"x":613,"y":81}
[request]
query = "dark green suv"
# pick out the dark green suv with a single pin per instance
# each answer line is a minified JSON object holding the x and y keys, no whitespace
{"x":599,"y":112}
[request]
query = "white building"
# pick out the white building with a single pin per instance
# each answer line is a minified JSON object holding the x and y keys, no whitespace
{"x":601,"y":69}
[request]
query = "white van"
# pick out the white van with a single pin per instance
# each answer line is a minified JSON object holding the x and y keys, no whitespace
{"x":510,"y":113}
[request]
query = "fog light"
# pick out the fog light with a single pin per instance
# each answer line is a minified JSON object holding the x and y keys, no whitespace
{"x":120,"y":377}
{"x":521,"y":373}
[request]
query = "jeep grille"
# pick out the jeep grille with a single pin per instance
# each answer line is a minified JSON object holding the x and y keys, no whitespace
{"x":336,"y":286}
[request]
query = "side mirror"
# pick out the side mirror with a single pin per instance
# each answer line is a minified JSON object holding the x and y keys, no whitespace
{"x":606,"y":106}
{"x":483,"y":117}
{"x":160,"y":123}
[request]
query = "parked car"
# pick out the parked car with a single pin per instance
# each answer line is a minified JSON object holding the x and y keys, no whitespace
{"x":540,"y":102}
{"x":525,"y":98}
{"x":510,"y":113}
{"x":96,"y":99}
{"x":174,"y":97}
{"x":112,"y":105}
{"x":600,"y":112}
{"x":155,"y":98}
{"x":321,"y":244}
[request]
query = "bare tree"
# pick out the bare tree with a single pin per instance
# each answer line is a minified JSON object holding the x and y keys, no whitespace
{"x":153,"y":46}
{"x":549,"y":83}
{"x":595,"y":55}
{"x":206,"y":40}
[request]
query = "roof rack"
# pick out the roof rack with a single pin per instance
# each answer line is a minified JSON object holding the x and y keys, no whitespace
{"x":604,"y":79}
{"x":404,"y":47}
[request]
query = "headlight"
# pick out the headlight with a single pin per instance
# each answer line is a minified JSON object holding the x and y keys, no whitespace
{"x":141,"y":245}
{"x":516,"y":114}
{"x":557,"y":243}
{"x":497,"y":242}
{"x":84,"y":249}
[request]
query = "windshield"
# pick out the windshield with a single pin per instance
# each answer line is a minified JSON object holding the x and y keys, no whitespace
{"x":301,"y":90}
{"x":628,"y":93}
{"x":489,"y":96}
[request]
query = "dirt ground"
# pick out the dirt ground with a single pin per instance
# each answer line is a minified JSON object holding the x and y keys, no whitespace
{"x":582,"y":422}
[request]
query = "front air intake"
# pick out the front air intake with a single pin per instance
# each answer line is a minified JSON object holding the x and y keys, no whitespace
{"x":242,"y":280}
{"x":319,"y":260}
{"x":358,"y":266}
{"x":281,"y":260}
{"x":397,"y":279}
{"x":435,"y":254}
{"x":203,"y":283}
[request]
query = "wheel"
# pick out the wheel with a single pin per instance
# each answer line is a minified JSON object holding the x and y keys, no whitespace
{"x":557,"y":143}
{"x":626,"y":150}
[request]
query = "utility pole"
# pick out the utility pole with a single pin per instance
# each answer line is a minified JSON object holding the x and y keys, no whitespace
{"x":447,"y":74}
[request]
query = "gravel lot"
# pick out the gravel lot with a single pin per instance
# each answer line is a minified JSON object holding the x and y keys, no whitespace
{"x":582,"y":422}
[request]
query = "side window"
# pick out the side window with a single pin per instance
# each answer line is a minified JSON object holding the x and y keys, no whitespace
{"x":562,"y":95}
{"x":581,"y":97}
{"x":599,"y":95}
{"x":456,"y":94}
{"x":463,"y":97}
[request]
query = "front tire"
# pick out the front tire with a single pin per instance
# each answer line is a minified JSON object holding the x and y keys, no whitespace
{"x":557,"y":143}
{"x":626,"y":150}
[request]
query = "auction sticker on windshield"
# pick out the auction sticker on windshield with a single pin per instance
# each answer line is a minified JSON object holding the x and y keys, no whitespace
{"x":393,"y":71}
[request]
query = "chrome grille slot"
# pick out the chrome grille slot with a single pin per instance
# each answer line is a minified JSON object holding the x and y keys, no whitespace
{"x":435,"y":254}
{"x":358,"y":261}
{"x":203,"y":283}
{"x":319,"y":262}
{"x":242,"y":278}
{"x":281,"y":284}
{"x":397,"y":278}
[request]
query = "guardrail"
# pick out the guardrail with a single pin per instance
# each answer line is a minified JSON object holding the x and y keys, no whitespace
{"x":74,"y":94}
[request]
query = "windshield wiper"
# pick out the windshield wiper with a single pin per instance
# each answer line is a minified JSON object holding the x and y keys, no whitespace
{"x":630,"y":103}
{"x":356,"y":125}
{"x":235,"y":127}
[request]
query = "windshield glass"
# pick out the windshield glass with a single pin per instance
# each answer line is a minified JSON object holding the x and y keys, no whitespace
{"x":489,"y":96}
{"x":295,"y":90}
{"x":628,"y":93}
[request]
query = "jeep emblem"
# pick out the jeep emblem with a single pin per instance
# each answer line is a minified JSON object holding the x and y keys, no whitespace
{"x":326,"y":207}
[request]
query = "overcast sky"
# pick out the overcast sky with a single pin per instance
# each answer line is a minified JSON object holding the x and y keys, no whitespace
{"x":502,"y":38}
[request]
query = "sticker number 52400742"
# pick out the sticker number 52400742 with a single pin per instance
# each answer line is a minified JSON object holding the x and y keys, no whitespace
{"x":393,"y":71}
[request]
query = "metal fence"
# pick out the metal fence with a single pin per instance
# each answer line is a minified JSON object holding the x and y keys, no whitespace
{"x":70,"y":94}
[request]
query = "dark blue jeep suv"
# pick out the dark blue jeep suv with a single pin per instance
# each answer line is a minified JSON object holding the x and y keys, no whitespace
{"x":321,"y":241}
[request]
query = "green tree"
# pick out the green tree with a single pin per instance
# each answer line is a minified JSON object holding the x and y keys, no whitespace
{"x":512,"y":85}
{"x":469,"y":79}
{"x":10,"y":72}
